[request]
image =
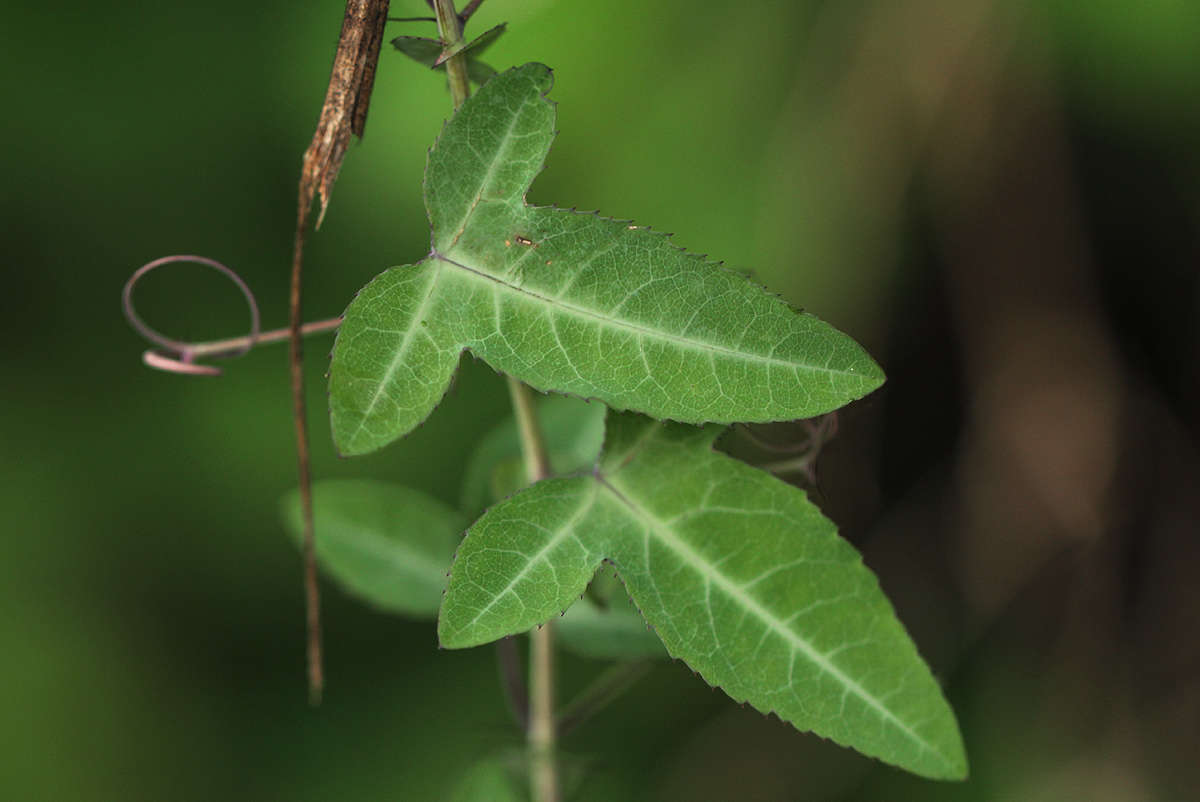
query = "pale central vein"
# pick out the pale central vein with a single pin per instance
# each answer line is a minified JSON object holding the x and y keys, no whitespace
{"x":643,"y":330}
{"x":564,"y":532}
{"x":773,"y":622}
{"x":497,"y":160}
{"x":401,"y":352}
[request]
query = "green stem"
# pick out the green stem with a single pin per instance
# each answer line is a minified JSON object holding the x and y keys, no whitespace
{"x":542,"y":732}
{"x":533,"y":446}
{"x":543,"y":770}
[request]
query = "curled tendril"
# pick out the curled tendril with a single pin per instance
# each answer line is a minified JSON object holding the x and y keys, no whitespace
{"x":177,"y":356}
{"x":818,"y":431}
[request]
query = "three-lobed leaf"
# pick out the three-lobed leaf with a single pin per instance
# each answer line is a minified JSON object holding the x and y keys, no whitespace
{"x":603,"y":624}
{"x":739,"y":574}
{"x":569,"y":302}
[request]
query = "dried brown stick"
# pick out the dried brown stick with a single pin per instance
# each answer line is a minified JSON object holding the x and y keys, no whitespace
{"x":343,"y":113}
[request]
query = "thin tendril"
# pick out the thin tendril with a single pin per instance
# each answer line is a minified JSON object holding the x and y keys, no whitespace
{"x":819,"y":432}
{"x":182,"y":355}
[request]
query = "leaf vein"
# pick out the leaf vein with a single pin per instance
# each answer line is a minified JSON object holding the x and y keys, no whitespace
{"x":747,"y":602}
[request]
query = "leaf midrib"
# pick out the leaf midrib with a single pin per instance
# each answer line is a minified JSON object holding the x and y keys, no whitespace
{"x":564,"y":532}
{"x":401,"y":352}
{"x":645,"y":331}
{"x":488,"y":175}
{"x":774,"y":624}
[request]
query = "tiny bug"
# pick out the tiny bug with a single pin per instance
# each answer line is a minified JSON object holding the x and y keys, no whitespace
{"x":524,"y":241}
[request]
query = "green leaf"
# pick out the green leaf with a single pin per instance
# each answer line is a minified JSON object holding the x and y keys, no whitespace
{"x":477,"y":45}
{"x":419,"y":48}
{"x":569,"y":302}
{"x":428,"y":53}
{"x":384,"y":543}
{"x":572,"y":429}
{"x":486,"y":39}
{"x":738,"y":573}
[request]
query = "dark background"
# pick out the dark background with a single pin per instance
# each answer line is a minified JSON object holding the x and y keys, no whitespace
{"x":999,"y":199}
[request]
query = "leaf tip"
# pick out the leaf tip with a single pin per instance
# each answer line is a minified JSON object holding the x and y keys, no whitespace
{"x":957,"y":767}
{"x":873,"y":375}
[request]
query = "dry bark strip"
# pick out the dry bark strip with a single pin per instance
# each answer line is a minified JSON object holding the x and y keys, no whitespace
{"x":343,"y":114}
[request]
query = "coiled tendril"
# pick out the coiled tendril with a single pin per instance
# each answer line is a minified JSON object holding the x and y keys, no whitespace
{"x":177,"y":356}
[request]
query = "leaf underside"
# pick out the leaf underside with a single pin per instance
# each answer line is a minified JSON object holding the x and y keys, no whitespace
{"x":568,"y":302}
{"x":387,"y":544}
{"x":740,"y":576}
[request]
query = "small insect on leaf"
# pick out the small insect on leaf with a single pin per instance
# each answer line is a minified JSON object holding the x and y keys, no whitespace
{"x":525,"y":241}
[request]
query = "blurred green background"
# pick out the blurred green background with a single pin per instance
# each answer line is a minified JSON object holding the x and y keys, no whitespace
{"x":1001,"y":200}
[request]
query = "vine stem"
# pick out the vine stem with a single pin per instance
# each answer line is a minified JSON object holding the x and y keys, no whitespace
{"x":234,"y":345}
{"x":450,"y":27}
{"x":533,"y":446}
{"x":312,"y":592}
{"x":541,"y":731}
{"x":542,"y":728}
